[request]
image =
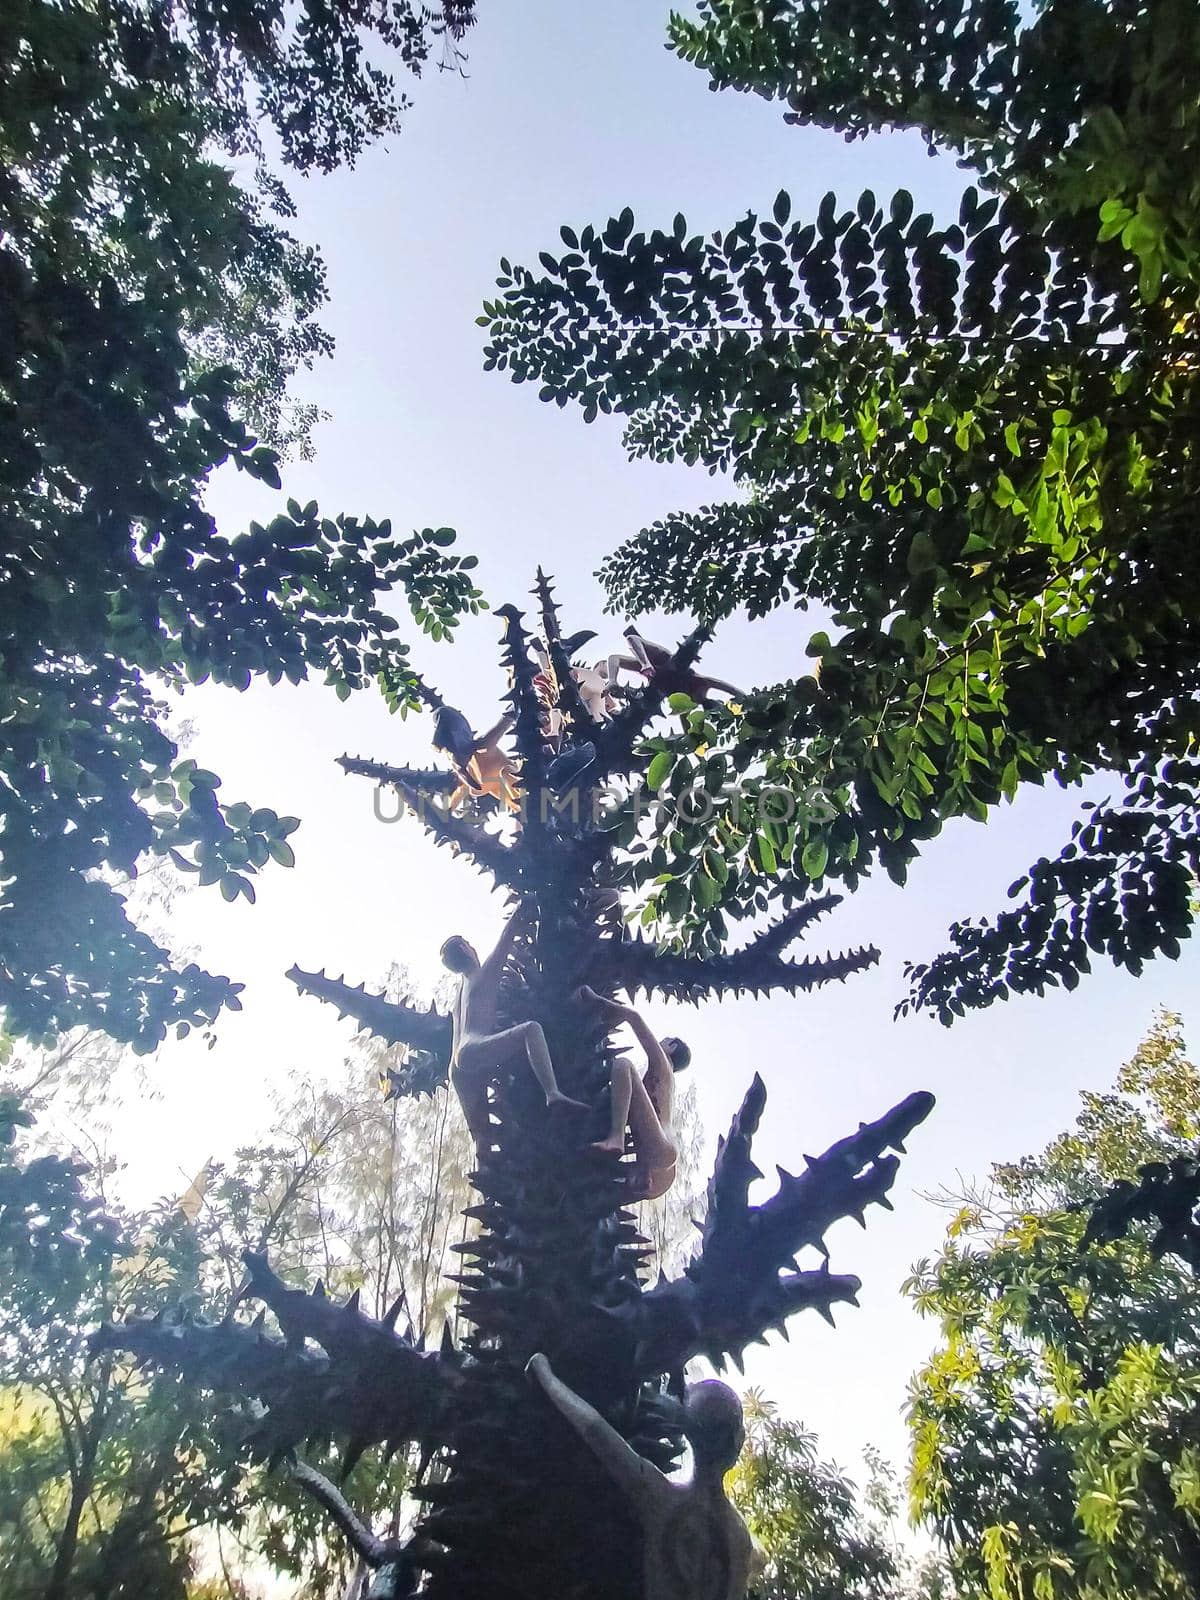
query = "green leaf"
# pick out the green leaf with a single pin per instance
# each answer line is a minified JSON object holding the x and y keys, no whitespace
{"x":659,"y":769}
{"x":814,"y":858}
{"x":922,"y":554}
{"x":765,"y":851}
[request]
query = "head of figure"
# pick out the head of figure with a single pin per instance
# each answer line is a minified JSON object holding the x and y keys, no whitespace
{"x":459,"y":954}
{"x":678,"y":1054}
{"x":712,"y":1422}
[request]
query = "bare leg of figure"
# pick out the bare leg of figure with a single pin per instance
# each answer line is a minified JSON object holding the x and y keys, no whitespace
{"x":621,"y":1093}
{"x":650,"y":1144}
{"x":630,"y":663}
{"x":479,"y":1059}
{"x":472,"y":1094}
{"x":538,"y":1052}
{"x":630,"y":1100}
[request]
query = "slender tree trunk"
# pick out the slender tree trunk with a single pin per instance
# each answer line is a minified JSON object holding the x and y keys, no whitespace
{"x":81,"y":1487}
{"x":1182,"y":1530}
{"x":356,"y":1588}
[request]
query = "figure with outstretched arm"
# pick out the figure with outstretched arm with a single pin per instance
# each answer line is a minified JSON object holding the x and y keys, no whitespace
{"x":479,"y":1046}
{"x":695,"y":1546}
{"x":645,"y":1104}
{"x":658,"y":664}
{"x":489,"y":770}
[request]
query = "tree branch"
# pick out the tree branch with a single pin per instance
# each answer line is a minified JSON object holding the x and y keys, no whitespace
{"x":527,"y":723}
{"x":484,"y":848}
{"x":570,"y":701}
{"x":736,"y":1287}
{"x":371,"y":1385}
{"x":638,"y":964}
{"x":424,"y":780}
{"x":427,"y":1031}
{"x":373,"y":1550}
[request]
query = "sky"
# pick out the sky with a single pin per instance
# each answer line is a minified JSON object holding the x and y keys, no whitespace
{"x":566,"y":115}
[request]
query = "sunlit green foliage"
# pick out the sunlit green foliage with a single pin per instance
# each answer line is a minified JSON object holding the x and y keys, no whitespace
{"x":1053,"y":1430}
{"x":971,"y":440}
{"x":819,"y":1538}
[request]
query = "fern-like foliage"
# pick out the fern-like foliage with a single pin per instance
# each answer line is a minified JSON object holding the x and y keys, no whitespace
{"x":972,"y":442}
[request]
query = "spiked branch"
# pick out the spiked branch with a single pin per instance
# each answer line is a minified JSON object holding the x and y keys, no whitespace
{"x":371,"y":1385}
{"x":637,"y":964}
{"x":294,"y":1397}
{"x":570,"y":701}
{"x":395,"y":1023}
{"x":772,"y":940}
{"x":484,"y":848}
{"x":230,"y":1356}
{"x":423,"y":780}
{"x":736,"y":1287}
{"x":522,"y":697}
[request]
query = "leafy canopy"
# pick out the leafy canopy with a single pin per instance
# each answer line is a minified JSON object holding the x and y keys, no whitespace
{"x":971,"y":441}
{"x":818,"y":1538}
{"x":133,"y":267}
{"x":106,"y":1474}
{"x":1053,"y":1431}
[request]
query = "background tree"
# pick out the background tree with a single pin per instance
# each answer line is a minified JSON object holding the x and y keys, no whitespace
{"x":1055,"y":1450}
{"x":971,"y":441}
{"x":106,"y":1477}
{"x":820,"y":1537}
{"x":119,"y":125}
{"x":98,"y":1472}
{"x":133,"y":268}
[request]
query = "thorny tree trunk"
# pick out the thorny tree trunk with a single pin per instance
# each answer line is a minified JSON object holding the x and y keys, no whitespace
{"x":515,"y":1507}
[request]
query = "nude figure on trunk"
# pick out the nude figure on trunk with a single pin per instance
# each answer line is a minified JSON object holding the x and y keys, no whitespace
{"x":480,"y":1048}
{"x":646,"y":1105}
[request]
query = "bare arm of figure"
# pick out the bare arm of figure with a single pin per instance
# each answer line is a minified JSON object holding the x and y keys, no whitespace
{"x":505,"y":725}
{"x":632,"y":1473}
{"x":658,"y":1061}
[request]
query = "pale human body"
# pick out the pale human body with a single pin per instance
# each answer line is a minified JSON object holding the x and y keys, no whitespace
{"x":488,"y":770}
{"x":695,"y":1546}
{"x":645,"y":1104}
{"x":479,"y":1046}
{"x":595,"y":689}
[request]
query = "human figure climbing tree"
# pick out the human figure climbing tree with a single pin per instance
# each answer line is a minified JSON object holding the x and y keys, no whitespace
{"x":522,"y":1506}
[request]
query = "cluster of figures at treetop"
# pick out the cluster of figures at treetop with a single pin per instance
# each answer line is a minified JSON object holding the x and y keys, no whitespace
{"x":482,"y":773}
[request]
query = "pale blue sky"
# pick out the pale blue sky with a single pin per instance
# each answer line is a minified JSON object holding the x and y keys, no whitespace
{"x":570,"y":113}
